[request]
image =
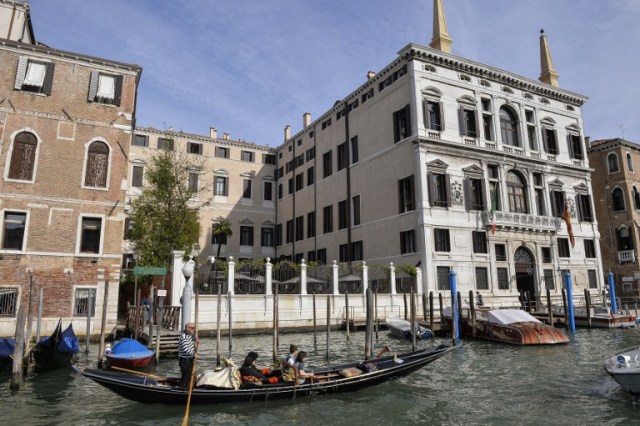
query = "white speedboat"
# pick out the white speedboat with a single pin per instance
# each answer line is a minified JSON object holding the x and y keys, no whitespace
{"x":624,"y":367}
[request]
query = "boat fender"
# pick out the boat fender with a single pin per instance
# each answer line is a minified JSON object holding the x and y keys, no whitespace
{"x":107,"y":350}
{"x":623,"y":361}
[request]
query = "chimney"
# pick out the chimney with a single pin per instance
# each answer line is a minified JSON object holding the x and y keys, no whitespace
{"x":587,"y":141}
{"x":370,"y":75}
{"x":213,"y":133}
{"x":306,"y":119}
{"x":225,"y":136}
{"x":287,"y":132}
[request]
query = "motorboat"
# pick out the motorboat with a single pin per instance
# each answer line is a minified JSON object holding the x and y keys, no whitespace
{"x":402,"y":328}
{"x":129,"y":353}
{"x":624,"y":367}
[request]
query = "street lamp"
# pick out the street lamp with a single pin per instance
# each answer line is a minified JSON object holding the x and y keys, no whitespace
{"x":187,"y":272}
{"x":135,"y":256}
{"x":187,"y":269}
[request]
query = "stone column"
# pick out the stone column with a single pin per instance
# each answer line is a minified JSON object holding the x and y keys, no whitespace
{"x":268,"y":276}
{"x":177,"y":280}
{"x":231,"y":276}
{"x":334,"y":278}
{"x":392,"y":278}
{"x":365,"y":277}
{"x":303,"y":278}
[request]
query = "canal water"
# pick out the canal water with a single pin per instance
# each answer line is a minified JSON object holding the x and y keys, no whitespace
{"x":479,"y":383}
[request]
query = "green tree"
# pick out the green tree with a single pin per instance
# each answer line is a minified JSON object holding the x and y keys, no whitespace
{"x":165,"y":216}
{"x":223,"y":231}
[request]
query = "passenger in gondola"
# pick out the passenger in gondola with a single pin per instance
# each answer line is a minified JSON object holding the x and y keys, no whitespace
{"x":299,"y":365}
{"x":251,"y":373}
{"x":288,"y":371}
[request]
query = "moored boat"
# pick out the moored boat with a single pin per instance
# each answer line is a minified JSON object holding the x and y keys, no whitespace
{"x":129,"y":353}
{"x":342,"y":378}
{"x":57,"y":350}
{"x":624,"y":367}
{"x":402,"y":328}
{"x":601,"y":317}
{"x":7,"y":346}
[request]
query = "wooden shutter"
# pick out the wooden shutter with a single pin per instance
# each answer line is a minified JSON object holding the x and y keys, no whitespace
{"x":570,"y":146}
{"x":407,"y":121}
{"x":447,"y":189}
{"x":117,"y":97}
{"x":93,"y":86}
{"x":554,"y":208}
{"x":20,"y":72}
{"x":48,"y":78}
{"x":467,"y":194}
{"x":396,"y":126}
{"x":432,"y":188}
{"x":461,"y":123}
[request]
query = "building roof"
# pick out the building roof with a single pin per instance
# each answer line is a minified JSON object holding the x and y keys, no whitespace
{"x":608,"y":144}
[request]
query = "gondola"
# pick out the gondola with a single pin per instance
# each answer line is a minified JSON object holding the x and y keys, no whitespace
{"x":7,"y":346}
{"x":342,"y":378}
{"x":57,"y":350}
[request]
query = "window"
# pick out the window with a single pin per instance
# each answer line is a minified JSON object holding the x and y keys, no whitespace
{"x":247,"y":156}
{"x":128,"y":227}
{"x":592,"y":278}
{"x":355,"y":209}
{"x":494,"y":187}
{"x":487,"y":126}
{"x":401,"y":124}
{"x":343,"y":156}
{"x":503,"y":278}
{"x":368,"y":95}
{"x":280,"y":191}
{"x":550,"y":141}
{"x":279,"y":234}
{"x":443,"y":278}
{"x":326,"y":124}
{"x":8,"y":301}
{"x":517,"y":192}
{"x":636,"y":198}
{"x":299,"y":181}
{"x":105,"y":88}
{"x":290,"y":185}
{"x":501,"y":252}
{"x":531,"y":130}
{"x":33,"y":76}
{"x":268,"y":191}
{"x":311,"y":256}
{"x":406,"y":194}
{"x":479,"y":242}
{"x":557,"y":203}
{"x":299,"y":228}
{"x":563,"y":247}
{"x":246,"y":235}
{"x":222,"y":152}
{"x":439,"y":189}
{"x":311,"y":225}
{"x":539,"y":194}
{"x":221,"y":186}
{"x":246,"y":189}
{"x":589,"y":249}
{"x":326,"y":164}
{"x":343,"y":253}
{"x":357,"y":251}
{"x":194,"y":148}
{"x":269,"y":159}
{"x":14,"y":227}
{"x":441,"y":239}
{"x":322,"y":256}
{"x":165,"y":143}
{"x":475,"y":194}
{"x":193,"y":182}
{"x":467,"y":116}
{"x":546,"y":255}
{"x":327,"y":219}
{"x":623,"y":237}
{"x":612,"y":161}
{"x":266,"y":237}
{"x":354,"y":150}
{"x":343,"y":221}
{"x":617,"y":197}
{"x":482,"y":279}
{"x":549,"y":281}
{"x":583,"y":202}
{"x":97,"y":166}
{"x":141,"y":140}
{"x":433,"y":115}
{"x":90,"y":235}
{"x":509,"y":127}
{"x":311,"y":178}
{"x":629,"y":163}
{"x":574,"y":143}
{"x":81,"y":300}
{"x":408,"y":242}
{"x":311,"y":153}
{"x":23,"y":156}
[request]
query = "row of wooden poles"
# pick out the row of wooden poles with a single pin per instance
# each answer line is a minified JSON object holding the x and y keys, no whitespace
{"x":21,"y":358}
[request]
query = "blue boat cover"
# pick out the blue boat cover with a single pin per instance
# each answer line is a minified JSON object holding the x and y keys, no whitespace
{"x":69,"y":342}
{"x":130,"y":348}
{"x":7,"y":345}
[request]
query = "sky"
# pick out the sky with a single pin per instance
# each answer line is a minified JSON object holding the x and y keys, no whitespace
{"x":250,"y":67}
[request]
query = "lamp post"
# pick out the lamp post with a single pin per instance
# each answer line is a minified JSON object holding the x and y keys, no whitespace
{"x":135,"y":279}
{"x":187,"y":294}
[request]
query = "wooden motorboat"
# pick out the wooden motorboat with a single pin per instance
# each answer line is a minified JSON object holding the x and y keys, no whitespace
{"x":154,"y":389}
{"x":57,"y":350}
{"x":402,"y":328}
{"x":129,"y":353}
{"x":624,"y":367}
{"x":512,"y":326}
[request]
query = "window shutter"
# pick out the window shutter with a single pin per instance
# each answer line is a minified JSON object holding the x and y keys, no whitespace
{"x":441,"y":116}
{"x":425,"y":113}
{"x":48,"y":79}
{"x":461,"y":122}
{"x":401,"y":196}
{"x":118,"y":91}
{"x":20,"y":72}
{"x":447,"y":194}
{"x":396,"y":127}
{"x":554,"y":207}
{"x":407,"y":117}
{"x":412,"y":194}
{"x":432,"y":188}
{"x":467,"y":194}
{"x":570,"y":146}
{"x":93,"y":86}
{"x":545,"y":140}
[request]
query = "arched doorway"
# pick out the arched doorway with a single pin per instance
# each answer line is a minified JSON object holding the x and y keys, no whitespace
{"x":525,"y":273}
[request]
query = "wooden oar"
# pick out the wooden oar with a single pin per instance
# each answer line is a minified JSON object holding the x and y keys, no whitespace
{"x":139,"y":373}
{"x":383,"y":351}
{"x":185,"y":420}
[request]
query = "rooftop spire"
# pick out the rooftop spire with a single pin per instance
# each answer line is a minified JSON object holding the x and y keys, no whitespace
{"x":441,"y":39}
{"x":548,"y":74}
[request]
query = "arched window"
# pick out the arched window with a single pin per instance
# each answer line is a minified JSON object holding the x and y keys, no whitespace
{"x":625,"y":241}
{"x":629,"y":162}
{"x":612,"y":160}
{"x":617,"y":198}
{"x":23,"y":156}
{"x":636,"y":198}
{"x":517,"y":189}
{"x":97,"y":166}
{"x":509,"y":127}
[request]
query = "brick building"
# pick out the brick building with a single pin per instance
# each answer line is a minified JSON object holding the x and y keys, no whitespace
{"x":66,"y":123}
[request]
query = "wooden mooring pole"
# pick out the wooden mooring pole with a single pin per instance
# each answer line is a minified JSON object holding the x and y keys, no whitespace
{"x":315,"y":337}
{"x":230,"y":322}
{"x":404,"y":298}
{"x":29,"y":315}
{"x":431,"y":311}
{"x":414,"y":324}
{"x":88,"y":331}
{"x":472,"y":308}
{"x":103,"y":323}
{"x":587,"y":302}
{"x":275,"y":323}
{"x":18,"y":352}
{"x":39,"y":323}
{"x":424,"y":307}
{"x":566,"y":312}
{"x":375,"y":312}
{"x":368,"y":339}
{"x":328,"y":325}
{"x":218,"y":319}
{"x":549,"y":307}
{"x":346,"y":310}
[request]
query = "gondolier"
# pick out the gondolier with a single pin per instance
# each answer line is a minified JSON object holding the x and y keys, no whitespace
{"x":187,"y":353}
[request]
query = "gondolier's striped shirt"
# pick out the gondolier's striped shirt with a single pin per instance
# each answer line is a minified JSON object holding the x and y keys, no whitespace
{"x":186,"y":346}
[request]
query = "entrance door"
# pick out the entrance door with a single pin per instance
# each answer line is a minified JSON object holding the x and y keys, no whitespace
{"x":525,"y":273}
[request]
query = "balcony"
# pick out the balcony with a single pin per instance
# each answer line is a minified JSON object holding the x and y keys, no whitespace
{"x":626,"y":256}
{"x":511,"y":220}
